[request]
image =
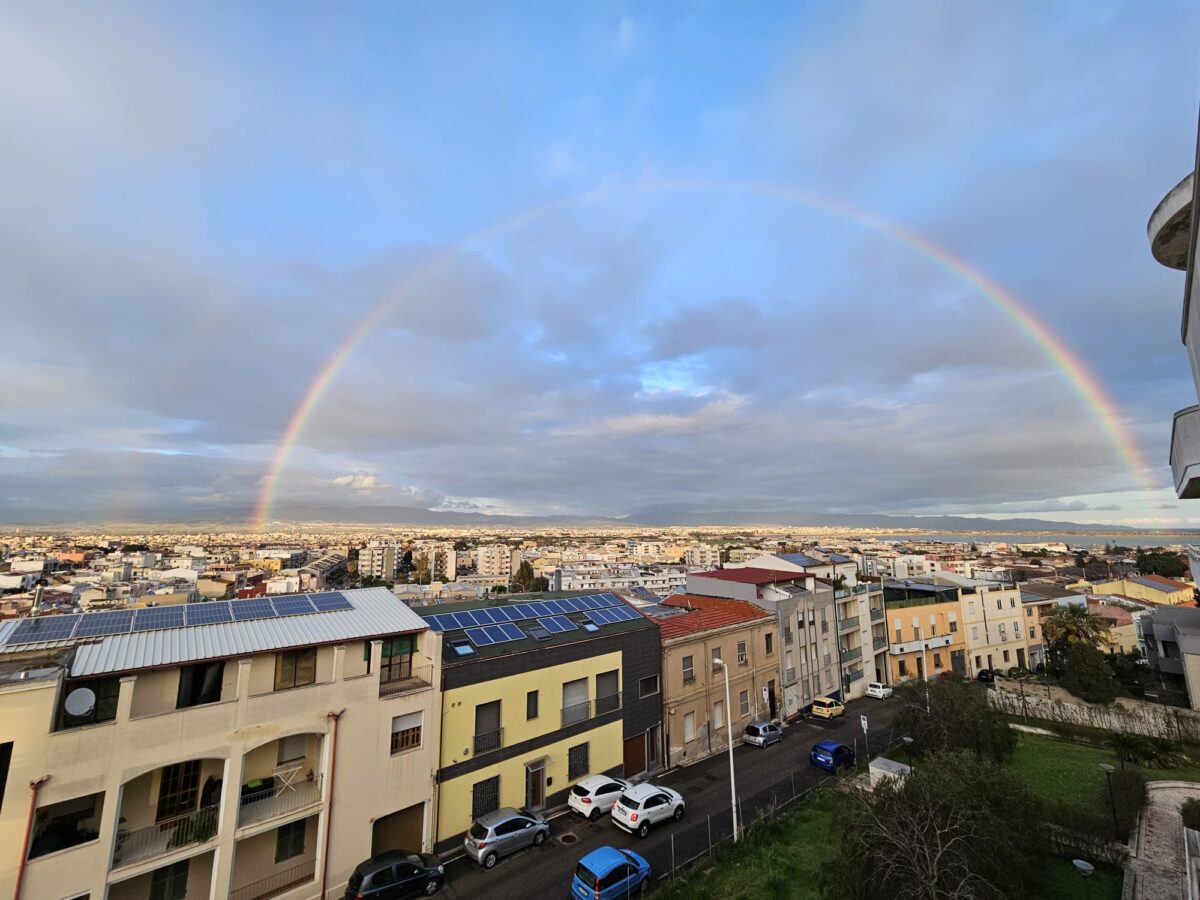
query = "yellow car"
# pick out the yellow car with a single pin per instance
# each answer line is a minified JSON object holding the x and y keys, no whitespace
{"x":828,"y":708}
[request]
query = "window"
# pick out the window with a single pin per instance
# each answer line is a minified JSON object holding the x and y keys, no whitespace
{"x":689,"y":727}
{"x":169,"y":882}
{"x":485,"y":797}
{"x":899,"y":636}
{"x":1032,"y":631}
{"x":292,"y":747}
{"x":937,"y":660}
{"x":103,"y":710}
{"x":295,"y":668}
{"x":974,"y":632}
{"x":1006,"y":656}
{"x":744,"y":704}
{"x":787,"y":634}
{"x":1012,"y":602}
{"x":903,"y":668}
{"x":770,"y":643}
{"x":487,"y":727}
{"x":689,"y":673}
{"x":199,"y":684}
{"x":179,"y":790}
{"x":999,"y":603}
{"x":397,"y":658}
{"x":648,"y":686}
{"x":716,"y":654}
{"x":978,"y":662}
{"x":5,"y":761}
{"x":741,"y":651}
{"x":608,"y":692}
{"x":953,"y":626}
{"x":67,"y":823}
{"x":531,"y":705}
{"x":932,"y":628}
{"x":575,"y":705}
{"x":289,"y":840}
{"x":577,"y":761}
{"x":406,"y":732}
{"x":719,"y":714}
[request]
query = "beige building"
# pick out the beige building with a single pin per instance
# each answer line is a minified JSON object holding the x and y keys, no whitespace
{"x":1150,"y":589}
{"x":265,"y":748}
{"x":497,"y":560}
{"x":993,"y":626}
{"x":378,"y":560}
{"x":697,"y":722}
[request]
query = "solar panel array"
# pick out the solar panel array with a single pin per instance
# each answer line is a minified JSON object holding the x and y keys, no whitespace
{"x":613,"y":615}
{"x":40,"y":629}
{"x":494,"y":634}
{"x":521,"y":612}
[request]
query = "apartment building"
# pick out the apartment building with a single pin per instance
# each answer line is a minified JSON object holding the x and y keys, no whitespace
{"x":1149,"y":588}
{"x":537,"y":695}
{"x":660,"y":580}
{"x":702,"y":556}
{"x":378,"y":560}
{"x":993,"y":624}
{"x":497,"y":560}
{"x":698,"y":724}
{"x":1172,"y":639}
{"x":237,"y":749}
{"x":926,"y":639}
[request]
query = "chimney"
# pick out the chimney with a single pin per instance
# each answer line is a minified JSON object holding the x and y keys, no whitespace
{"x":37,"y":597}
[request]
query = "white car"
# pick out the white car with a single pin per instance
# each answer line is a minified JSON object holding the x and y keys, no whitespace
{"x":644,"y":805}
{"x":879,"y":689}
{"x":595,"y":795}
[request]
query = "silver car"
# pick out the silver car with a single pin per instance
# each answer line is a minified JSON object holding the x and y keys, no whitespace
{"x":762,"y":734}
{"x":504,"y":831}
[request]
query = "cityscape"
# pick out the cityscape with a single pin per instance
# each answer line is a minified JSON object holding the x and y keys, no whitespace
{"x":658,"y":451}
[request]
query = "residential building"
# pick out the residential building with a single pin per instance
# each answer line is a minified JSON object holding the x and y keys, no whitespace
{"x":496,"y":560}
{"x":993,"y":624}
{"x":926,"y":636}
{"x":537,"y":695}
{"x":698,"y":724}
{"x":1152,"y":588}
{"x":1122,"y":619}
{"x":1172,"y":640}
{"x":1039,"y":599}
{"x":660,"y":580}
{"x":378,"y":560}
{"x":171,"y":756}
{"x":702,"y":556}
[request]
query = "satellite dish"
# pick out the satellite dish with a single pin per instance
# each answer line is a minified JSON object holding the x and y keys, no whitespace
{"x":80,"y":702}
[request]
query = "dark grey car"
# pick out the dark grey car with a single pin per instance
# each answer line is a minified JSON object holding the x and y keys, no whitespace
{"x":504,"y":831}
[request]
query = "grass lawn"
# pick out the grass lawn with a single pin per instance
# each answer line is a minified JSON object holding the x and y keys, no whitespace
{"x":1064,"y":883}
{"x":782,"y":859}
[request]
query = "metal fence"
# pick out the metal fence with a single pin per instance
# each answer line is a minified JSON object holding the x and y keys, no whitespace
{"x":277,"y":883}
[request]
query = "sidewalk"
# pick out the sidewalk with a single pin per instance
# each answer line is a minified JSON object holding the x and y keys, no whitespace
{"x":1159,"y":864}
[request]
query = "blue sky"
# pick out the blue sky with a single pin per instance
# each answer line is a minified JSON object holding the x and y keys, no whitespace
{"x":201,"y":203}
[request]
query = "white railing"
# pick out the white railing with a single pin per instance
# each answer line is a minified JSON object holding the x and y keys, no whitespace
{"x":278,"y":800}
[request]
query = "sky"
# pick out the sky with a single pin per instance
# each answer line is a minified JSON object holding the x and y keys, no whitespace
{"x":572,"y":262}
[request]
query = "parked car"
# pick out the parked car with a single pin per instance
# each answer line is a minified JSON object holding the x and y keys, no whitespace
{"x":987,"y":675}
{"x":595,"y":795}
{"x":504,"y":831}
{"x":762,"y":734}
{"x":827,"y":708}
{"x":831,"y":756}
{"x":879,"y":689}
{"x":396,"y":875}
{"x":607,"y":874}
{"x":644,"y":805}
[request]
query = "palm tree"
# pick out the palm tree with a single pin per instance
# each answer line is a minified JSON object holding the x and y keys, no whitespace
{"x":1075,"y":624}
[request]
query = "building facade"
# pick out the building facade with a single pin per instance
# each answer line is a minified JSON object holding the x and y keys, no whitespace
{"x":378,"y":560}
{"x":926,"y":637}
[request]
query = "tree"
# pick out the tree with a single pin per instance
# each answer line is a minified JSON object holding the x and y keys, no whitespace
{"x":541,"y":583}
{"x":1087,"y":675}
{"x":953,"y":715}
{"x":1158,"y":562}
{"x":1065,"y":626}
{"x":956,"y":827}
{"x":422,"y":574}
{"x":523,"y":580}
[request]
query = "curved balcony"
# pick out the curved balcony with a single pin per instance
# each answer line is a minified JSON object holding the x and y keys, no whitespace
{"x":1185,"y":453}
{"x":1170,"y":224}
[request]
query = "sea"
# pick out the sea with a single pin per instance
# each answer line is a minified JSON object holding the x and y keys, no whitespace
{"x":1123,"y":538}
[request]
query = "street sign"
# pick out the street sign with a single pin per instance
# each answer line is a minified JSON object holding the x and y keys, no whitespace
{"x":863,"y":719}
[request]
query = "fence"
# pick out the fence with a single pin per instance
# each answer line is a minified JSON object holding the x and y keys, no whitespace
{"x":1142,"y":718}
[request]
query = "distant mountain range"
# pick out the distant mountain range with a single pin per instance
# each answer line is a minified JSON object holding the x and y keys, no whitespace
{"x":404,"y":515}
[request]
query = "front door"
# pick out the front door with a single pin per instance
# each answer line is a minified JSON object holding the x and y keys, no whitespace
{"x":1021,"y":657}
{"x":179,"y":790}
{"x":635,"y":755}
{"x":653,"y":747}
{"x":535,"y":785}
{"x":771,"y":697}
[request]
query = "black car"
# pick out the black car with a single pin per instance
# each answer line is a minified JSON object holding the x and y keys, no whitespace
{"x":396,"y":875}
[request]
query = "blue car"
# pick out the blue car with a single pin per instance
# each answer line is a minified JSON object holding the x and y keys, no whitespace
{"x":607,"y":873}
{"x":831,"y":756}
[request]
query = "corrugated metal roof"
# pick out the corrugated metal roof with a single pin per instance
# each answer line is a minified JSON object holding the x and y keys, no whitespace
{"x":376,"y":613}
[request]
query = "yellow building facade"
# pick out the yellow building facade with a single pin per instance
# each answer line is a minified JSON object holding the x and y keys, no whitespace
{"x":925,"y":633}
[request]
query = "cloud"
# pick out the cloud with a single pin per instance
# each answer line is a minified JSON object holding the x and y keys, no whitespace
{"x":359,"y":482}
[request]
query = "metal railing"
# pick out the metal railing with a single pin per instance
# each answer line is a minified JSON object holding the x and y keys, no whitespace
{"x":848,"y":624}
{"x":487,"y":741}
{"x":278,"y":800}
{"x":166,"y":836}
{"x":608,"y":703}
{"x":876,"y":614}
{"x":879,"y":643}
{"x":850,"y":655}
{"x":853,"y":676}
{"x":577,"y":713}
{"x":277,"y":883}
{"x":404,"y":681}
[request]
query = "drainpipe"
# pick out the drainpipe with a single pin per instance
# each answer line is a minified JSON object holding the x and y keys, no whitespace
{"x":333,"y":717}
{"x":34,"y":787}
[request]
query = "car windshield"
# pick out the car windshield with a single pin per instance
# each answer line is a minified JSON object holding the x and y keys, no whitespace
{"x":586,"y":875}
{"x":580,"y":791}
{"x":824,"y":754}
{"x":478,"y":832}
{"x":629,"y":803}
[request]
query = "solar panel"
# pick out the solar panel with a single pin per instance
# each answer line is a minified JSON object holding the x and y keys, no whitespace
{"x":511,"y":632}
{"x":330,"y":602}
{"x":464,"y":620}
{"x":44,"y":628}
{"x":207,"y":613}
{"x":570,"y":605}
{"x":601,"y":616}
{"x":525,"y":610}
{"x":555,"y":606}
{"x":609,"y":599}
{"x":97,"y":624}
{"x":438,"y":622}
{"x":244,"y":610}
{"x":500,"y":614}
{"x":623,"y":613}
{"x":479,"y":637}
{"x":486,"y":615}
{"x":557,"y":624}
{"x":152,"y":618}
{"x":541,"y":609}
{"x":294,"y":606}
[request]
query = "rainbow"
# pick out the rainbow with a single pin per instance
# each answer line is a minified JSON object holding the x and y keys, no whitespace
{"x":1073,"y":369}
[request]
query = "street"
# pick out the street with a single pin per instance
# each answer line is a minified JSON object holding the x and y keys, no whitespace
{"x":546,"y":871}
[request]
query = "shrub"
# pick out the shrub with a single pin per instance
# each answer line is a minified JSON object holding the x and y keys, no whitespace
{"x":1129,"y":797}
{"x":1088,"y":676}
{"x":1190,"y":810}
{"x":953,"y":715}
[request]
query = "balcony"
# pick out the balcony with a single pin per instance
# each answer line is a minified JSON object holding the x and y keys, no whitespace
{"x":851,"y":654}
{"x":1185,"y":453}
{"x":1169,"y":227}
{"x":580,"y":712}
{"x":876,"y":614}
{"x":879,"y":643}
{"x":487,"y":741}
{"x":853,"y":675}
{"x":166,"y":836}
{"x":278,"y":801}
{"x":278,"y":883}
{"x":608,"y":703}
{"x":397,"y":681}
{"x":849,"y":624}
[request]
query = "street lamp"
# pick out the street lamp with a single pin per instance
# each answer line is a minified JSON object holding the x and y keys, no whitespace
{"x":1117,"y":731}
{"x":1112,"y":799}
{"x":908,"y":742}
{"x":1084,"y":868}
{"x":729,"y":740}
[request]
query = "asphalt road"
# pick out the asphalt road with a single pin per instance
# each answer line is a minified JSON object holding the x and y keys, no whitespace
{"x":546,"y":871}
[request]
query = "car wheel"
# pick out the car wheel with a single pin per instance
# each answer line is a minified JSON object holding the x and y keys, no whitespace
{"x":539,"y":839}
{"x":678,"y":814}
{"x":489,"y":861}
{"x":432,"y":887}
{"x":594,"y":815}
{"x":643,"y":829}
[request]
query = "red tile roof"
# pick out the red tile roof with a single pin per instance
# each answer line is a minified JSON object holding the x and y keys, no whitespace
{"x":706,"y":614}
{"x":752,"y":575}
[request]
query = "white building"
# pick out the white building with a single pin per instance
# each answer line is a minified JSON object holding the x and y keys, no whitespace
{"x":702,"y":556}
{"x":377,"y":560}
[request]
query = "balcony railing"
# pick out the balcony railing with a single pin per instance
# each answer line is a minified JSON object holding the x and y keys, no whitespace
{"x":166,"y":836}
{"x":578,"y":713}
{"x":879,"y":643}
{"x":850,"y":655}
{"x":861,"y":588}
{"x":487,"y":741}
{"x":608,"y":703}
{"x":279,"y":800}
{"x":841,"y":593}
{"x":393,"y":682}
{"x":876,"y":614}
{"x":848,"y":624}
{"x":853,"y":675}
{"x":277,"y":883}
